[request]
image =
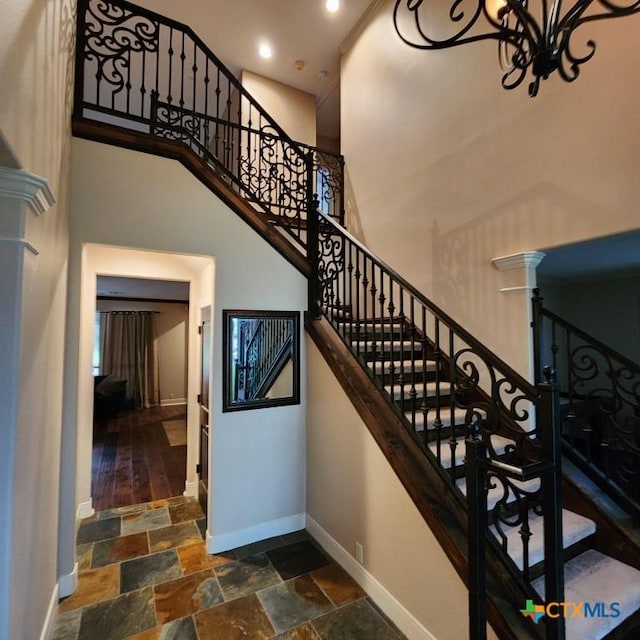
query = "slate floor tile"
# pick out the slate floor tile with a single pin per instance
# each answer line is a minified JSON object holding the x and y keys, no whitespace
{"x":339,"y":586}
{"x":121,"y":511}
{"x":175,"y":535}
{"x":194,"y":558}
{"x":67,"y":626}
{"x":98,"y":530}
{"x":120,"y":549}
{"x":185,"y":596}
{"x":303,"y":632}
{"x":149,"y":570}
{"x":145,"y":520}
{"x":119,"y":618}
{"x":182,"y":512}
{"x":84,"y":555}
{"x":246,"y":576}
{"x":296,"y":559}
{"x":94,"y":585}
{"x":294,"y":602}
{"x":258,"y":547}
{"x":184,"y":629}
{"x":240,"y":619}
{"x":356,"y":621}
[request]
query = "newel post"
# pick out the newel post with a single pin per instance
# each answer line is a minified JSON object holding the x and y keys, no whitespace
{"x":476,"y":453}
{"x":313,"y":239}
{"x":548,"y":420}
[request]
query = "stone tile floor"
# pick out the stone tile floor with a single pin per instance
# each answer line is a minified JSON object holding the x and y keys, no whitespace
{"x":144,"y":574}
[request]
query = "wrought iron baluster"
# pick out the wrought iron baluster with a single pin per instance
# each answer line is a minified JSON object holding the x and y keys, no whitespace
{"x":424,"y":407}
{"x":401,"y":376}
{"x":412,"y":367}
{"x":453,"y":439}
{"x":437,"y":422}
{"x":170,"y":70}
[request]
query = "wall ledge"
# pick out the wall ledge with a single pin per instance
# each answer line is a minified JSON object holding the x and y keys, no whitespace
{"x":28,"y":187}
{"x":518,"y":260}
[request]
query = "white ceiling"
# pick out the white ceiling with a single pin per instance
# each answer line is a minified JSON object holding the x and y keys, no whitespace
{"x":296,"y":30}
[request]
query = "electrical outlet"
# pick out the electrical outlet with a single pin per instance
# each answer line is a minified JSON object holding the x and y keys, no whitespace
{"x":359,"y":553}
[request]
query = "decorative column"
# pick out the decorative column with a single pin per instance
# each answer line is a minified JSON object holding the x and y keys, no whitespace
{"x":520,"y":279}
{"x":23,"y":198}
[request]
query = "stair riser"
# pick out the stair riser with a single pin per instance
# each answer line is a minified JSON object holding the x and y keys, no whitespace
{"x":410,"y":404}
{"x":396,"y":354}
{"x":396,"y":378}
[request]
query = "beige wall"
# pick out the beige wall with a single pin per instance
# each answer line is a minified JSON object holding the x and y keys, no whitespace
{"x":172,"y":322}
{"x":292,"y":109}
{"x":354,"y":495}
{"x":159,"y":206}
{"x":35,"y":81}
{"x":447,"y":170}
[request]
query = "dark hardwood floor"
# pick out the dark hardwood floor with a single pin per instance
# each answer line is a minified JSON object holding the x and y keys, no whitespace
{"x":133,"y":459}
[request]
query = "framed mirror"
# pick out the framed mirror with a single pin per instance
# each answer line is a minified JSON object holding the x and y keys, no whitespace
{"x":261,"y":351}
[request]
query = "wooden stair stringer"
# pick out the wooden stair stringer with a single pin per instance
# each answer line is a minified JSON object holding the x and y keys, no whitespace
{"x":423,"y":482}
{"x":175,"y":150}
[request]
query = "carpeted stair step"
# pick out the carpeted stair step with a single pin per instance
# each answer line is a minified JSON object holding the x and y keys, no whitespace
{"x":408,"y":345}
{"x":422,"y":390}
{"x":574,"y":529}
{"x":498,"y":442}
{"x":405,"y":367}
{"x":459,"y":417}
{"x":593,"y":577}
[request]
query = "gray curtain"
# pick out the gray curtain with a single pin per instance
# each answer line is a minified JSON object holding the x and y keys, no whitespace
{"x":129,"y":351}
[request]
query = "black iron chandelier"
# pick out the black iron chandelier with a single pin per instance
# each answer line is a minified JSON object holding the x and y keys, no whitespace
{"x":533,"y":35}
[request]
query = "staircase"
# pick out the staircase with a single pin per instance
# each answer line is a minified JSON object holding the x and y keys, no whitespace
{"x":476,"y":445}
{"x":461,"y":404}
{"x":409,"y":376}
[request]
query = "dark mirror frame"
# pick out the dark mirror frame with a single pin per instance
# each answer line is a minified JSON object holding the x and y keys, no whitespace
{"x":229,"y":403}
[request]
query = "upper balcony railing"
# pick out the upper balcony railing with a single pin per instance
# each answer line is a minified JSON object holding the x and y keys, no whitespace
{"x":148,"y":74}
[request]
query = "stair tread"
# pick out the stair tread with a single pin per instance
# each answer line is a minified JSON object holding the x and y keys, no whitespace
{"x":499,"y":443}
{"x":574,"y":528}
{"x":418,"y":366}
{"x":428,"y":389}
{"x":406,"y":344}
{"x":597,"y":578}
{"x":459,"y":417}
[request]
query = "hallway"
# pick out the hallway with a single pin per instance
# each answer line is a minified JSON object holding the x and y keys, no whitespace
{"x":145,"y":575}
{"x":139,"y":456}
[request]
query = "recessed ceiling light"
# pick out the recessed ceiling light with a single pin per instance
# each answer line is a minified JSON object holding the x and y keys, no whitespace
{"x":265,"y":50}
{"x":332,"y":5}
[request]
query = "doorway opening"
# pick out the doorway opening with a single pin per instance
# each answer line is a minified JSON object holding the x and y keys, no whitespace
{"x":140,"y":365}
{"x":119,"y":462}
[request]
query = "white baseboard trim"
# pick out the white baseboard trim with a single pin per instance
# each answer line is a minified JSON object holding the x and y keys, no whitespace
{"x":170,"y":402}
{"x":217,"y":543}
{"x":68,"y":583}
{"x":85,"y":510}
{"x":392,"y":608}
{"x":52,"y":616}
{"x":191,"y":489}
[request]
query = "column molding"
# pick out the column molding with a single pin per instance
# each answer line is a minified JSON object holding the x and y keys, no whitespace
{"x":30,"y":188}
{"x":518,"y":260}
